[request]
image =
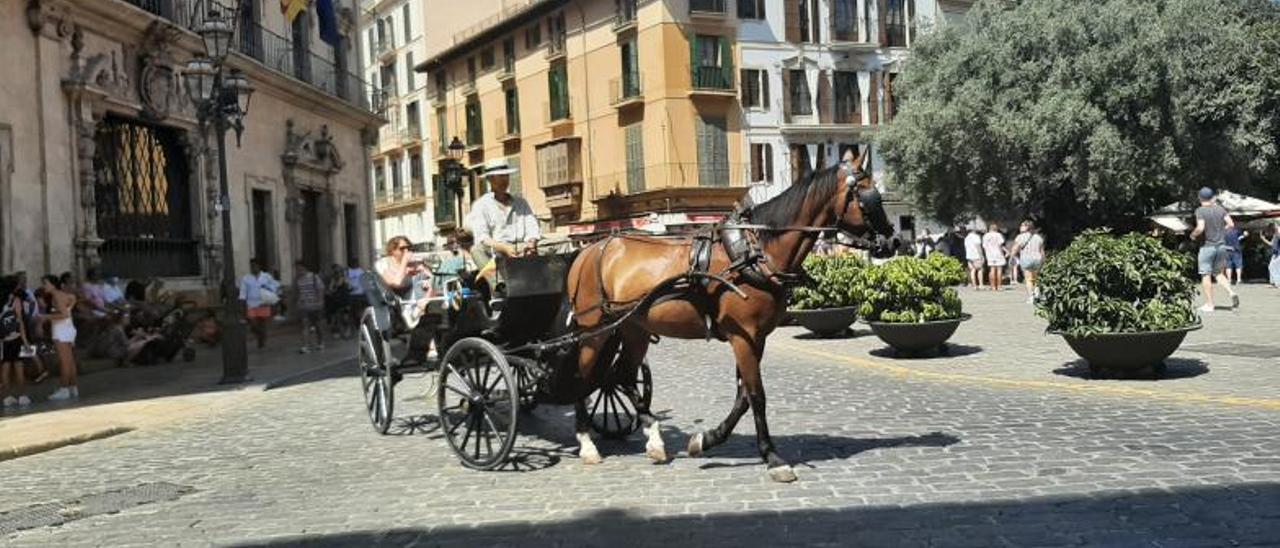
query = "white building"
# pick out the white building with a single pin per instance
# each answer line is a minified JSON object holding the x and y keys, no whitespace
{"x":817,"y":79}
{"x":393,"y":32}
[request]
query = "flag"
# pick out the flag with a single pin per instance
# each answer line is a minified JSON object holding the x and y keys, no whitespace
{"x":291,"y":9}
{"x":328,"y":22}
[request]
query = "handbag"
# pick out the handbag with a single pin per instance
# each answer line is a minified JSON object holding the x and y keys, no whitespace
{"x":268,"y":297}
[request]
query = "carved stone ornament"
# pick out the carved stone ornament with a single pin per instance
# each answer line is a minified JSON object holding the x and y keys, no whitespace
{"x":49,"y":18}
{"x":158,"y":85}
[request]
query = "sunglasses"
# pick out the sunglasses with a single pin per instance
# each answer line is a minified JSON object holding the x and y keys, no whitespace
{"x":404,"y":248}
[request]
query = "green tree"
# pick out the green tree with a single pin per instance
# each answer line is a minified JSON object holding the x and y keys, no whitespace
{"x":1088,"y":113}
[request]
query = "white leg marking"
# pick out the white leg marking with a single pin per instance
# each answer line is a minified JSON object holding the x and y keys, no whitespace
{"x":654,"y":448}
{"x":587,"y":449}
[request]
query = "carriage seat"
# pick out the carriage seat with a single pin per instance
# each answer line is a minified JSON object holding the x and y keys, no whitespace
{"x":385,"y":299}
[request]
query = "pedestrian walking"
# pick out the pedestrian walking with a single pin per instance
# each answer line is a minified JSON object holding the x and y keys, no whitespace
{"x":60,"y":303}
{"x":1212,"y":221}
{"x":35,"y":327}
{"x":13,"y":343}
{"x":258,"y":293}
{"x":1273,"y":243}
{"x":1234,"y":237}
{"x":973,"y":254}
{"x":336,"y":302}
{"x":310,"y":289}
{"x":356,"y":300}
{"x":1028,"y":247}
{"x":924,"y":244}
{"x":993,"y":250}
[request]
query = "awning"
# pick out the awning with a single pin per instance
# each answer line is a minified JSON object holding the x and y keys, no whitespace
{"x":1178,"y":217}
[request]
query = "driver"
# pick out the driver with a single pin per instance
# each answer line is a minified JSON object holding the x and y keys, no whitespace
{"x":501,"y":222}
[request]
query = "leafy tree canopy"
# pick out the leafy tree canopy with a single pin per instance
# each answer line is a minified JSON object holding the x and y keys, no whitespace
{"x":1089,"y":113}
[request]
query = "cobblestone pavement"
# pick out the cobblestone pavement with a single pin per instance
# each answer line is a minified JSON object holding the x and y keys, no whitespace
{"x":985,"y":448}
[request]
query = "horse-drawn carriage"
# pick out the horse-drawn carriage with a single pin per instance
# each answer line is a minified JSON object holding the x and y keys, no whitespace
{"x":497,"y":358}
{"x":575,"y":328}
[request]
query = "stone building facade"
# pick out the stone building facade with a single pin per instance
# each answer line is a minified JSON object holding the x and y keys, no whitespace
{"x":103,"y":162}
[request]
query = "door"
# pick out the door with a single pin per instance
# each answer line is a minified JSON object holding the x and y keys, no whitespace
{"x":263,"y":225}
{"x":351,"y":232}
{"x":311,"y":230}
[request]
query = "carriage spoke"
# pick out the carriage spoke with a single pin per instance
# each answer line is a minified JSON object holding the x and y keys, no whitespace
{"x":475,"y":417}
{"x":470,"y":386}
{"x":617,"y":410}
{"x":467,"y":437}
{"x":596,"y":405}
{"x":624,"y":402}
{"x":458,"y":392}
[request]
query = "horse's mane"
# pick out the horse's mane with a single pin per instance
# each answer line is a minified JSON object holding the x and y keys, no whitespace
{"x":781,"y":210}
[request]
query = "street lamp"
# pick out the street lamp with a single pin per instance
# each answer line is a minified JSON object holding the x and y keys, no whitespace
{"x":222,"y":97}
{"x":453,"y":172}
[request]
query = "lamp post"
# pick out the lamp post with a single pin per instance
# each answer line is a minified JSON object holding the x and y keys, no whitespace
{"x":222,"y":97}
{"x":453,"y":173}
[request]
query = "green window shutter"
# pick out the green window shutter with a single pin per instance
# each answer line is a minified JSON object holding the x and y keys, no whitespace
{"x":514,"y":162}
{"x":635,"y":158}
{"x":693,"y":59}
{"x":726,"y":61}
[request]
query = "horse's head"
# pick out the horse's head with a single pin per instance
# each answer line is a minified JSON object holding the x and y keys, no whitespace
{"x":860,"y":208}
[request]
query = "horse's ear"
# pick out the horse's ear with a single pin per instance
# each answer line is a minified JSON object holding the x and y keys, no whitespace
{"x":864,"y":161}
{"x":848,"y":157}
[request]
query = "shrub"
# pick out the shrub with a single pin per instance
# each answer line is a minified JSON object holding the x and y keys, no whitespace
{"x":830,"y":278}
{"x":1108,"y":284}
{"x":910,"y":290}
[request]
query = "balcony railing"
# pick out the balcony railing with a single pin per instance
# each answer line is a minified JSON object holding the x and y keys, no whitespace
{"x":626,"y":88}
{"x":416,"y":188}
{"x":383,"y":48}
{"x":706,"y":6}
{"x":266,"y":47}
{"x":626,"y":14}
{"x":712,"y":78}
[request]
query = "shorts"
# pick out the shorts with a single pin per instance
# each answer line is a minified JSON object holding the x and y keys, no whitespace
{"x":975,"y":264}
{"x":1212,"y":259}
{"x":10,"y":349}
{"x":1030,"y":265}
{"x":259,"y":313}
{"x":995,"y":262}
{"x":1235,"y":259}
{"x":64,"y":331}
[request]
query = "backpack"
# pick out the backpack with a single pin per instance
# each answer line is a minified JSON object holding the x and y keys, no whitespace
{"x":8,"y":321}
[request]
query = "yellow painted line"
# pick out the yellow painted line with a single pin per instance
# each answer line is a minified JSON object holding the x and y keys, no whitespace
{"x":1109,"y":390}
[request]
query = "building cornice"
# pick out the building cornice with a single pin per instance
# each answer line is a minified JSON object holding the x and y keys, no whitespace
{"x":514,"y":20}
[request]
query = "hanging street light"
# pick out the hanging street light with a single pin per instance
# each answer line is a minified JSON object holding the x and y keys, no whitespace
{"x":222,"y":97}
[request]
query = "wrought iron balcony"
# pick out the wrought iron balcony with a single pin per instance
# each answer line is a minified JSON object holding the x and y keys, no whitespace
{"x":713,"y":7}
{"x":712,"y":78}
{"x":626,"y":89}
{"x":625,"y":15}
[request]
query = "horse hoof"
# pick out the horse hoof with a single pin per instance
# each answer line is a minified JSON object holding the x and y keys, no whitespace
{"x":656,"y":453}
{"x":782,"y":474}
{"x":591,"y":458}
{"x":695,"y":445}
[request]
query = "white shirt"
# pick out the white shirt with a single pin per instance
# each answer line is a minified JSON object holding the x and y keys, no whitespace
{"x":491,"y":220}
{"x":993,"y":245}
{"x":251,"y":288}
{"x":353,"y":280}
{"x":973,"y":247}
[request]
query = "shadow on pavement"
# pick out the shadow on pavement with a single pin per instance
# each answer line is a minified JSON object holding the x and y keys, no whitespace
{"x":1243,"y":514}
{"x":808,"y":448}
{"x":1177,"y":368}
{"x":848,"y":333}
{"x":948,"y":350}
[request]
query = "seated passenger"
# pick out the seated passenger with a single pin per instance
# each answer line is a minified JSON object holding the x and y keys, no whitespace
{"x":410,"y":280}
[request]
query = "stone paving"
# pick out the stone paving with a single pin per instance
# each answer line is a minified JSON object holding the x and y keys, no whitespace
{"x":988,"y":447}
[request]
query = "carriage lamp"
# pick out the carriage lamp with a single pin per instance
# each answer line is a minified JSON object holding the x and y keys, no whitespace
{"x":221,"y":96}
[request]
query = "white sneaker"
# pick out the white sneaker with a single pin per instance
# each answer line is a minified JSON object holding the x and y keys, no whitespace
{"x":1206,"y":308}
{"x":304,"y":350}
{"x":75,"y":392}
{"x":10,"y":401}
{"x":24,"y":401}
{"x":61,"y":394}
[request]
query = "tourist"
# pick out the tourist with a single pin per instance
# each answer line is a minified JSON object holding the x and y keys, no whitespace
{"x":1273,"y":243}
{"x":1212,"y":221}
{"x":993,"y":250}
{"x":310,"y":290}
{"x":1028,"y":247}
{"x":502,"y":223}
{"x":356,"y":300}
{"x":405,"y":275}
{"x":13,"y":344}
{"x":973,"y":254}
{"x":35,"y":326}
{"x":93,"y":294}
{"x":336,"y":302}
{"x":1233,"y":238}
{"x":258,"y":293}
{"x":59,"y":304}
{"x":924,"y":244}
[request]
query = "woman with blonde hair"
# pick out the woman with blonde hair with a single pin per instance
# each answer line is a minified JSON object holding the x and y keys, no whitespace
{"x":405,"y":274}
{"x":61,"y":303}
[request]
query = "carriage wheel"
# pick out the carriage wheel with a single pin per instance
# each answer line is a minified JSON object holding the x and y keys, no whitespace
{"x":479,"y":399}
{"x":613,"y":413}
{"x":379,"y":393}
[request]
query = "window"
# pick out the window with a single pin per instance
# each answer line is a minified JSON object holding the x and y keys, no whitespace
{"x":848,"y":98}
{"x":751,"y":9}
{"x":389,"y":79}
{"x":409,"y":73}
{"x":408,"y":24}
{"x":630,"y":70}
{"x":801,"y":101}
{"x":389,"y":37}
{"x":895,"y":23}
{"x":512,"y":100}
{"x":301,"y":46}
{"x":635,"y":158}
{"x":442,"y":130}
{"x":558,"y":86}
{"x":556,"y":33}
{"x":755,"y":89}
{"x":415,"y":175}
{"x":515,"y":187}
{"x":802,"y":19}
{"x":713,"y":152}
{"x":533,"y":36}
{"x":442,"y":84}
{"x":263,"y":244}
{"x":509,"y":55}
{"x":800,"y":166}
{"x":844,"y":25}
{"x":761,"y":163}
{"x":712,"y":62}
{"x":379,"y":180}
{"x":373,"y":46}
{"x":412,"y":118}
{"x":475,"y":133}
{"x":626,"y":11}
{"x":486,"y":58}
{"x":397,"y":178}
{"x":471,"y":70}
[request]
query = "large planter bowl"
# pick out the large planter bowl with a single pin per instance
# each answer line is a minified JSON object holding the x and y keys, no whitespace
{"x":912,"y":338}
{"x":1128,"y":354}
{"x":826,"y":322}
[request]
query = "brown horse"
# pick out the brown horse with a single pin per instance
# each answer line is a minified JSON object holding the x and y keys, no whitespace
{"x":609,"y":276}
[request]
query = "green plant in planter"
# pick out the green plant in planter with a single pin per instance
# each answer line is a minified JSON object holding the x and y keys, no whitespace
{"x":1104,"y":283}
{"x":910,"y":290}
{"x":830,"y":278}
